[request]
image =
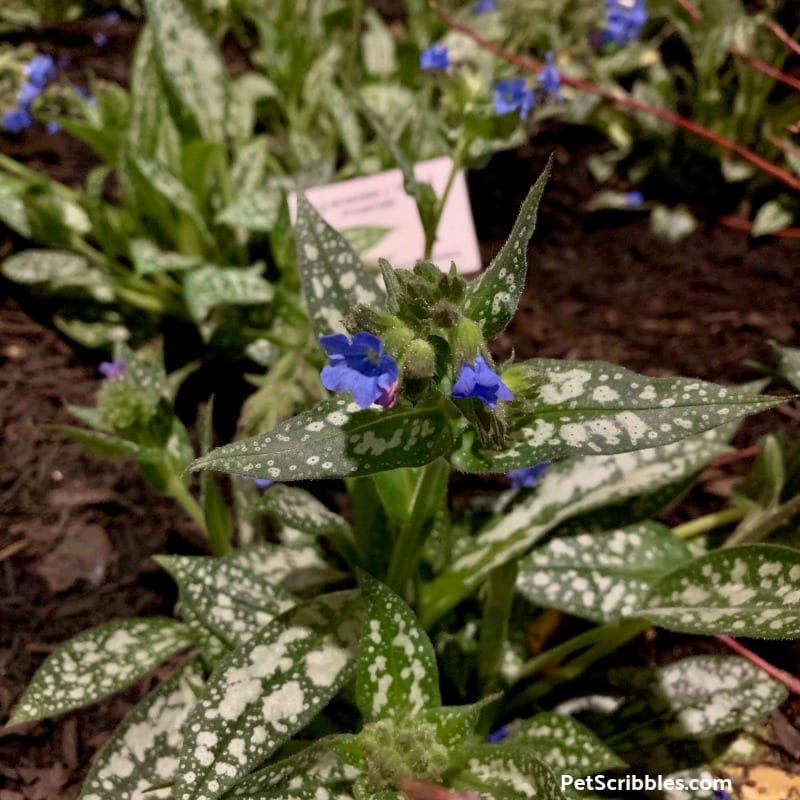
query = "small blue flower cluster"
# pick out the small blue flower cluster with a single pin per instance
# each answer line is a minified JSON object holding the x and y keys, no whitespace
{"x":624,"y":20}
{"x":511,"y":94}
{"x":528,"y":477}
{"x":434,"y":57}
{"x":39,"y":71}
{"x":371,"y":375}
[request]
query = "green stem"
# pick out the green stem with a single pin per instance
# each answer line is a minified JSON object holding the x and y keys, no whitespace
{"x":765,"y":523}
{"x":709,"y":522}
{"x":429,"y":492}
{"x":462,"y":146}
{"x":176,"y":489}
{"x":494,"y":624}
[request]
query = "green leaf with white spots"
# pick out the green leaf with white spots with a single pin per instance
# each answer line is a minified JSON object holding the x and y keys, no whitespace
{"x":256,"y":211}
{"x":339,"y":106}
{"x":337,"y":439}
{"x":749,"y":590}
{"x":695,"y":697}
{"x":569,"y":487}
{"x":148,"y":259}
{"x":565,"y":745}
{"x":300,"y":510}
{"x":99,"y":662}
{"x":397,"y":675}
{"x":12,"y":207}
{"x":144,"y":749}
{"x":317,"y":766}
{"x":232,"y":602}
{"x":455,"y":724}
{"x":212,"y":286}
{"x":506,"y":773}
{"x":58,"y":268}
{"x":600,"y":576}
{"x":212,"y":648}
{"x":334,"y":280}
{"x":191,"y":64}
{"x":492,"y":298}
{"x":265,"y":691}
{"x":296,"y":569}
{"x":364,"y":237}
{"x":590,"y":407}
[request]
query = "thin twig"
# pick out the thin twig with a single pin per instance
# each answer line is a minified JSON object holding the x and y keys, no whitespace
{"x":789,"y":681}
{"x":625,"y":100}
{"x":727,"y":458}
{"x":766,"y":69}
{"x":692,"y":10}
{"x":747,"y":225}
{"x":783,"y":35}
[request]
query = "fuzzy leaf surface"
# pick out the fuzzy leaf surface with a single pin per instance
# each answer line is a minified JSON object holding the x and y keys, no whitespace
{"x":144,"y":749}
{"x":337,"y":439}
{"x":506,"y":773}
{"x":695,"y":697}
{"x":265,"y":691}
{"x":600,"y":576}
{"x":299,"y":509}
{"x":751,"y":590}
{"x":334,"y":280}
{"x":564,"y":744}
{"x":229,"y":600}
{"x":493,"y":297}
{"x":191,"y":64}
{"x":594,"y":408}
{"x":99,"y":662}
{"x":570,"y":487}
{"x":397,"y":675}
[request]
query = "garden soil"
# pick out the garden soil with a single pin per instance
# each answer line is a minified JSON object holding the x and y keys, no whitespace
{"x":77,"y":532}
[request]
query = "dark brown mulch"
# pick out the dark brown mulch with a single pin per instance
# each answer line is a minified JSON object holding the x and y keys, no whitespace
{"x":600,"y":287}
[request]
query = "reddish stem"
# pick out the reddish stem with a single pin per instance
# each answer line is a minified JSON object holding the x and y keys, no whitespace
{"x":626,"y":100}
{"x":762,"y":66}
{"x":789,"y":681}
{"x":692,"y":10}
{"x":739,"y":455}
{"x":783,"y":35}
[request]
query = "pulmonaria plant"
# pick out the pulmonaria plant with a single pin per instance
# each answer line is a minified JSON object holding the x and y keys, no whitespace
{"x":371,"y":658}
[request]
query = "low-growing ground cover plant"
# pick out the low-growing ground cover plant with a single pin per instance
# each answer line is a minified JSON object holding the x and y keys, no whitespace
{"x":381,"y":655}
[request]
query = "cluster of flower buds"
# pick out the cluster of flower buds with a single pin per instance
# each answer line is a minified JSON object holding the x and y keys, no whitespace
{"x":39,"y":71}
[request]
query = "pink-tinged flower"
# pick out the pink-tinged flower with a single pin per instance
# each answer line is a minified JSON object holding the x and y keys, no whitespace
{"x":479,"y":380}
{"x":361,"y":367}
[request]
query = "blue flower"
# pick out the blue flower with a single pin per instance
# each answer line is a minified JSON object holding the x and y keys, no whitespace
{"x":634,"y":199}
{"x":112,"y":369}
{"x":28,"y":93}
{"x":52,"y":127}
{"x":482,"y":382}
{"x":498,"y":735}
{"x":434,"y":57}
{"x":549,"y":79}
{"x":512,"y":94}
{"x":721,"y":794}
{"x":100,"y":39}
{"x":360,"y":367}
{"x":262,"y":483}
{"x":40,"y":70}
{"x":624,"y":20}
{"x":528,"y":477}
{"x":484,"y":7}
{"x":17,"y":119}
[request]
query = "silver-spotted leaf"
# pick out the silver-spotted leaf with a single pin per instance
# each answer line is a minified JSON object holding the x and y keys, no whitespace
{"x":506,"y":773}
{"x":695,"y":697}
{"x":397,"y":675}
{"x":144,"y":750}
{"x":211,"y":286}
{"x":590,"y":407}
{"x":46,"y":266}
{"x":256,"y":211}
{"x":148,"y":259}
{"x":788,"y":359}
{"x":570,"y":487}
{"x":229,"y":600}
{"x":99,"y":662}
{"x":751,"y":590}
{"x":334,"y":280}
{"x":565,"y":745}
{"x":212,"y":648}
{"x":600,"y":576}
{"x":493,"y":297}
{"x":337,"y":439}
{"x":265,"y":691}
{"x":191,"y":64}
{"x":299,"y":509}
{"x":300,"y":775}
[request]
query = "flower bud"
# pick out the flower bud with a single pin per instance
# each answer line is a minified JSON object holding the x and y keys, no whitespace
{"x":466,"y":341}
{"x":419,"y":360}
